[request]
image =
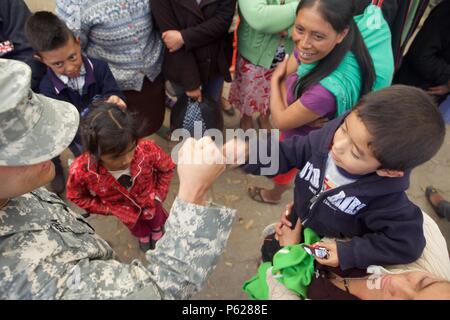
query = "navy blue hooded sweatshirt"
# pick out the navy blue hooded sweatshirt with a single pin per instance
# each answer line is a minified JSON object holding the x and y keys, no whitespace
{"x":385,"y":227}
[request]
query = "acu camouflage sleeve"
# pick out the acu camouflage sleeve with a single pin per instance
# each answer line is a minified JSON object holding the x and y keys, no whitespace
{"x":194,"y":240}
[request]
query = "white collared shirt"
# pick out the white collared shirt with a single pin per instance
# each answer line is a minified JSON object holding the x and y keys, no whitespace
{"x":76,"y":83}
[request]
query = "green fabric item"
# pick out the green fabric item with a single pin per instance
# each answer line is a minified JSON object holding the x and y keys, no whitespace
{"x":256,"y":287}
{"x":345,"y":82}
{"x":261,"y":21}
{"x":292,"y":266}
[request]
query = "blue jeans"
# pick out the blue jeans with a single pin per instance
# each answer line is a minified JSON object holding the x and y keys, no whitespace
{"x":213,"y":88}
{"x":444,"y":108}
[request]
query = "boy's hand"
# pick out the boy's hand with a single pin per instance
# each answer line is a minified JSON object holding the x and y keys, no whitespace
{"x":116,"y":100}
{"x":284,"y":219}
{"x":333,"y":259}
{"x":287,"y":236}
{"x":235,"y":152}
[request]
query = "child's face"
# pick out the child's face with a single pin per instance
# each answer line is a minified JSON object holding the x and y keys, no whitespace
{"x":350,"y":149}
{"x":115,"y":163}
{"x":65,"y":60}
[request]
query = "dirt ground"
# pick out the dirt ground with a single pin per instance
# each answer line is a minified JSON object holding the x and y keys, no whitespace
{"x":241,"y":257}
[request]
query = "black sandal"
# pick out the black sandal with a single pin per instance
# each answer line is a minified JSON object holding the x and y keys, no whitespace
{"x":255,"y":194}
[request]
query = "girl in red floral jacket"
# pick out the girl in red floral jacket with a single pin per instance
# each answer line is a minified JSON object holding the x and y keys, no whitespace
{"x":121,"y":175}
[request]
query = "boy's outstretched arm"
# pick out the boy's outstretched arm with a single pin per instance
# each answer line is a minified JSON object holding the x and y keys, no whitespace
{"x":269,"y":156}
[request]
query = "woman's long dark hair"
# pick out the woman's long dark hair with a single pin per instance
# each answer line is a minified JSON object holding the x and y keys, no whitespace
{"x":339,"y":13}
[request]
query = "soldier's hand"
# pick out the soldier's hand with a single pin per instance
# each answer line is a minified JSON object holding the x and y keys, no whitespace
{"x":200,"y":163}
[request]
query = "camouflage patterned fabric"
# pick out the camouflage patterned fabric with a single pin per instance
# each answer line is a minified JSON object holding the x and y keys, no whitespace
{"x":33,"y":128}
{"x":49,"y":252}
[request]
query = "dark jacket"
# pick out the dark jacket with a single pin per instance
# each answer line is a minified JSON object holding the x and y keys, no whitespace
{"x":13,"y":15}
{"x":427,"y":63}
{"x":99,"y":83}
{"x":151,"y":171}
{"x":208,"y":46}
{"x":384,"y":226}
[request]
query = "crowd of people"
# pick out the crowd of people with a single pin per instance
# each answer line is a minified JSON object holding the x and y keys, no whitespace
{"x":91,"y":78}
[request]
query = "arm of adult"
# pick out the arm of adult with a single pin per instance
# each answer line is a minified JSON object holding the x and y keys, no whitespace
{"x":212,"y":29}
{"x":296,"y":114}
{"x":13,"y":16}
{"x":181,"y":61}
{"x":268,"y":18}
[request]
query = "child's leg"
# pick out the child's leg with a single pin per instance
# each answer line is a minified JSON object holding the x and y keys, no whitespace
{"x":142,"y":231}
{"x":157,"y":224}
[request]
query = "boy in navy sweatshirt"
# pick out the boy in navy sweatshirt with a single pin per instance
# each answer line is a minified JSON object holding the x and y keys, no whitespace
{"x":353,"y":176}
{"x":71,"y":76}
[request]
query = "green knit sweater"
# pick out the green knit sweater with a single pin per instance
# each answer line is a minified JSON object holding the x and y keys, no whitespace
{"x":261,"y":21}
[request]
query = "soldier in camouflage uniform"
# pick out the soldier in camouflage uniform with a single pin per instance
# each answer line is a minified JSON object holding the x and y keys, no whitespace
{"x":49,"y":252}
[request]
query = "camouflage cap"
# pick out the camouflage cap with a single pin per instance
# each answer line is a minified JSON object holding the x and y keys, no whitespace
{"x":33,"y":128}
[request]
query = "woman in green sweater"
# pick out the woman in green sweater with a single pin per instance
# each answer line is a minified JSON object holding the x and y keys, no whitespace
{"x":263,"y":41}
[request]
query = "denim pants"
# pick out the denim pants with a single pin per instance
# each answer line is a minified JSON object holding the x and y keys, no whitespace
{"x":444,"y":108}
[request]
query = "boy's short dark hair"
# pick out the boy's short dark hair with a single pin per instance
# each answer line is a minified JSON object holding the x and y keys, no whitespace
{"x":45,"y":31}
{"x":405,"y":124}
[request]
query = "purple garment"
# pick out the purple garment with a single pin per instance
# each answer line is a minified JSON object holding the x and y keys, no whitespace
{"x":317,"y":99}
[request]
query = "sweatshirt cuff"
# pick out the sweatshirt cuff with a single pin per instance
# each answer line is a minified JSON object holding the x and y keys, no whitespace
{"x":345,"y":255}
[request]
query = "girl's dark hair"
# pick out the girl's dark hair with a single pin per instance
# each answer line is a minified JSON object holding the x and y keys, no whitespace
{"x":339,"y":13}
{"x":108,"y":130}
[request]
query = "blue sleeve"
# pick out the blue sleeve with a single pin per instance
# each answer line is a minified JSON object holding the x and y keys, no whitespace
{"x":270,"y":158}
{"x":107,"y":82}
{"x":46,"y":88}
{"x":396,"y":237}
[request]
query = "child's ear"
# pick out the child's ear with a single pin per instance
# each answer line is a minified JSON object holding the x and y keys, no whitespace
{"x":38,"y":57}
{"x":390,"y":173}
{"x":77,"y":40}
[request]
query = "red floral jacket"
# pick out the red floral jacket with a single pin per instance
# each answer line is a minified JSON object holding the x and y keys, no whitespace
{"x":93,"y":188}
